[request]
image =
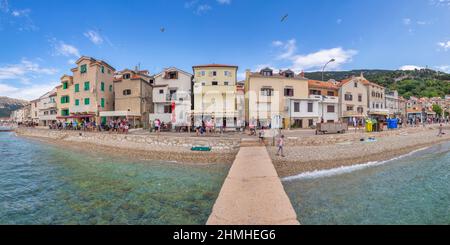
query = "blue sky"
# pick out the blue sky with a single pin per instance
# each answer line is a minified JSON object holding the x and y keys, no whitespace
{"x":40,"y":40}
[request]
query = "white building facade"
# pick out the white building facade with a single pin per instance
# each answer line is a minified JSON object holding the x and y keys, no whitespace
{"x":47,"y":108}
{"x":306,"y":113}
{"x":172,"y":91}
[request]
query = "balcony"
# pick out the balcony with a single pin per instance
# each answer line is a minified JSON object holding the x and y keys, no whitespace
{"x":325,"y":99}
{"x":47,"y":106}
{"x":214,"y":89}
{"x":47,"y":117}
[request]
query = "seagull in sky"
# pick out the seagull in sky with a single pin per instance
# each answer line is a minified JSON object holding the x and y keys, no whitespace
{"x":284,"y":17}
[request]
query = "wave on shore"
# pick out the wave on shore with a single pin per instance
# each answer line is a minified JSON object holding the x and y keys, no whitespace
{"x":345,"y":169}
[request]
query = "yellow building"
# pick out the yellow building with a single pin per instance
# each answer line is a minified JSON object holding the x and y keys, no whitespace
{"x":92,"y":89}
{"x":64,"y":98}
{"x":215,"y":94}
{"x":268,"y":95}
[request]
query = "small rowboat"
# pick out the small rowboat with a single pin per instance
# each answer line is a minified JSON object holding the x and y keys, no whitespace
{"x":201,"y":148}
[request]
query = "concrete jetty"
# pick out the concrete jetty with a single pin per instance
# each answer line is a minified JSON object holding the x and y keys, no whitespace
{"x":252,"y":193}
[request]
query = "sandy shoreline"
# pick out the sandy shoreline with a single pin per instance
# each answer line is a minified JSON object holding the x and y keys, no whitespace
{"x":300,"y":160}
{"x":182,"y":157}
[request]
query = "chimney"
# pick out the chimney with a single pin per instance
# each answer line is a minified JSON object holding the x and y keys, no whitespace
{"x":362,"y":75}
{"x":302,"y":74}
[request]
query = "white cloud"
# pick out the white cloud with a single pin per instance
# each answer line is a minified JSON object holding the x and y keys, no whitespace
{"x":24,"y":71}
{"x":63,"y":49}
{"x":410,"y":68}
{"x":94,"y":37}
{"x":224,"y":1}
{"x":27,"y":93}
{"x":203,"y":8}
{"x":316,"y":60}
{"x":444,"y":45}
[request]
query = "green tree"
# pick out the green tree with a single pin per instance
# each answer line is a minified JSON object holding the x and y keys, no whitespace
{"x":437,"y":109}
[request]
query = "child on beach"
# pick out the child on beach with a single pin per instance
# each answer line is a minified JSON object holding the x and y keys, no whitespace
{"x":280,"y":145}
{"x":261,"y":136}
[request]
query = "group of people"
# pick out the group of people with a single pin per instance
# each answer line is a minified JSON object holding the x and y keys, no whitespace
{"x":118,"y":126}
{"x":203,"y":127}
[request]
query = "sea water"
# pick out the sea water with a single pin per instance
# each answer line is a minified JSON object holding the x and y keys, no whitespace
{"x":44,"y":184}
{"x":412,"y":189}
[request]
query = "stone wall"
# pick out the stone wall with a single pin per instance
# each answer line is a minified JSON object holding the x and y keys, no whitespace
{"x":136,"y":142}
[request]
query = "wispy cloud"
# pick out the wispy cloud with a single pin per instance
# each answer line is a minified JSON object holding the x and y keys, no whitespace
{"x":94,"y":37}
{"x":17,"y":18}
{"x":203,"y":8}
{"x":21,"y":12}
{"x":4,"y":6}
{"x":445,"y":45}
{"x":224,"y":1}
{"x":288,"y":47}
{"x":61,"y":48}
{"x":440,"y":3}
{"x":24,"y":71}
{"x":406,"y":21}
{"x":315,"y":60}
{"x":27,"y":93}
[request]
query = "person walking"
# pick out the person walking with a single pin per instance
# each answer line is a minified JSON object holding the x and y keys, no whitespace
{"x":261,"y":136}
{"x":280,"y":145}
{"x":441,"y":130}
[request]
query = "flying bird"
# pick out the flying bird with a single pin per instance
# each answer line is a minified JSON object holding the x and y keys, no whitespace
{"x":162,"y":29}
{"x":284,"y":18}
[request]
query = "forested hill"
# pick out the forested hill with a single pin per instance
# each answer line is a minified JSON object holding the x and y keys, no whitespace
{"x":420,"y":83}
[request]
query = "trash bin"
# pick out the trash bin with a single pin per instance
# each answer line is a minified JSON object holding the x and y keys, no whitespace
{"x":369,"y":125}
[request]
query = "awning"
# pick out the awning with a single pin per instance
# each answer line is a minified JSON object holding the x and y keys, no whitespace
{"x":379,"y":113}
{"x":119,"y":114}
{"x":76,"y":116}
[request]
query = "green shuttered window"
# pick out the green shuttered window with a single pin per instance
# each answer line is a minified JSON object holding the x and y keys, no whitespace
{"x":83,"y":69}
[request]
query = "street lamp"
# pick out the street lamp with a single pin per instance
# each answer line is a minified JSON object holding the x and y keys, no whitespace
{"x":332,"y":60}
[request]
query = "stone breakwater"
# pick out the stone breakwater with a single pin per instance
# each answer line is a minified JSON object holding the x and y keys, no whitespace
{"x":153,"y":147}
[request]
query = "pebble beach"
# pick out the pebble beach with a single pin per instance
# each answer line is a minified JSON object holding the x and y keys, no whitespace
{"x":301,"y":159}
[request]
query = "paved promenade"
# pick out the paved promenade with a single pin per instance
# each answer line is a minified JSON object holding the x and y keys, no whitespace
{"x":252,"y":193}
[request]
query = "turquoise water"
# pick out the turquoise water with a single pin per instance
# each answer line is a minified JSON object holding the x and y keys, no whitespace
{"x":410,"y":190}
{"x":43,"y":184}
